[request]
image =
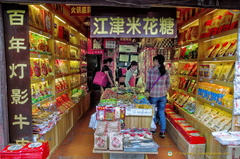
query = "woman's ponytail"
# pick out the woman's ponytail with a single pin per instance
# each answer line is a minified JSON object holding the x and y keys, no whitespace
{"x":161,"y":60}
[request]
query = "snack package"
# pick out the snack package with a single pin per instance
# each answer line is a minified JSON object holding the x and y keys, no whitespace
{"x":232,"y":49}
{"x":209,"y":51}
{"x":110,"y":114}
{"x":225,"y":22}
{"x":101,"y":113}
{"x":216,"y":50}
{"x":100,"y":141}
{"x":231,"y":76}
{"x":201,"y":70}
{"x":227,"y":101}
{"x":215,"y":24}
{"x":209,"y":70}
{"x":217,"y":71}
{"x":115,"y":141}
{"x":236,"y":108}
{"x":234,"y":23}
{"x":206,"y":29}
{"x":225,"y":72}
{"x":224,"y":48}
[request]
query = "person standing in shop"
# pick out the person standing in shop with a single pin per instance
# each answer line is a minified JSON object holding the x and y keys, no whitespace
{"x":157,"y":85}
{"x":130,"y":79}
{"x":107,"y":63}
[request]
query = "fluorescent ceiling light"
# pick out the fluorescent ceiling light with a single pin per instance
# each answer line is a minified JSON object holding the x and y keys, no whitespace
{"x":39,"y":34}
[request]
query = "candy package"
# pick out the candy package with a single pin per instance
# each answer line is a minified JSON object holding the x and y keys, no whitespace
{"x":100,"y":141}
{"x":216,"y":50}
{"x":206,"y":29}
{"x":225,"y":72}
{"x":225,"y":22}
{"x":209,"y":70}
{"x":115,"y":141}
{"x":234,"y":23}
{"x":209,"y":51}
{"x":217,"y":72}
{"x":224,"y":48}
{"x":215,"y":24}
{"x":232,"y":49}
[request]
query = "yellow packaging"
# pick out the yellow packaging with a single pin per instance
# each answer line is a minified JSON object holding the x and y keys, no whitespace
{"x":225,"y":72}
{"x":217,"y":72}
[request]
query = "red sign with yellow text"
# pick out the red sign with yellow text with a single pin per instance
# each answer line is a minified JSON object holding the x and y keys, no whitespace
{"x":80,"y":10}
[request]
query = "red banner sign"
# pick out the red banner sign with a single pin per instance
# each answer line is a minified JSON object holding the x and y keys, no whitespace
{"x":18,"y":72}
{"x":80,"y":10}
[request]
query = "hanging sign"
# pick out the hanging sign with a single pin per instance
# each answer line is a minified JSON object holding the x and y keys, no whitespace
{"x":18,"y":72}
{"x":80,"y":10}
{"x":161,"y":24}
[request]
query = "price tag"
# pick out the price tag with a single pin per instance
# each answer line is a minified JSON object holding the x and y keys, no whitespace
{"x":39,"y":56}
{"x":212,"y":104}
{"x":212,"y":37}
{"x":50,"y":98}
{"x":49,"y":35}
{"x":215,"y":59}
{"x":40,"y":32}
{"x":38,"y":104}
{"x":211,"y":81}
{"x":43,"y":79}
{"x":200,"y":79}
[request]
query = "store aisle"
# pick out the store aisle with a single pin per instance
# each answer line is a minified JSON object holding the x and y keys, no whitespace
{"x":79,"y":143}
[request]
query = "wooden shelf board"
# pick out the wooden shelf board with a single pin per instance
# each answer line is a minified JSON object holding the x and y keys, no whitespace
{"x":37,"y":80}
{"x":62,"y":75}
{"x":188,"y":43}
{"x":224,"y":58}
{"x":122,"y":152}
{"x":188,"y":60}
{"x":62,"y":58}
{"x":220,"y":35}
{"x":67,"y":111}
{"x":214,"y":104}
{"x":222,"y":83}
{"x":75,"y":86}
{"x":74,"y":59}
{"x":63,"y":92}
{"x":190,"y":77}
{"x":41,"y":32}
{"x":43,"y":101}
{"x":184,"y":92}
{"x":45,"y":56}
{"x":185,"y":25}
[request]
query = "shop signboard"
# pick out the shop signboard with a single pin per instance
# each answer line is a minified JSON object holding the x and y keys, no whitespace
{"x":18,"y":72}
{"x":158,"y":23}
{"x":80,"y":10}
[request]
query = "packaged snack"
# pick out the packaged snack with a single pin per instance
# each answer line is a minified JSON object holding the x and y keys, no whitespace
{"x":36,"y":69}
{"x":225,"y":72}
{"x":109,"y":112}
{"x":224,"y":48}
{"x":234,"y":23}
{"x":209,"y":51}
{"x":227,"y":101}
{"x":101,"y":113}
{"x":215,"y":24}
{"x":231,"y":76}
{"x":194,"y":33}
{"x":194,"y":70}
{"x":216,"y":50}
{"x":206,"y":29}
{"x":100,"y":141}
{"x":217,"y":71}
{"x":115,"y":141}
{"x":225,"y":22}
{"x":232,"y":49}
{"x":201,"y":70}
{"x":209,"y":70}
{"x":236,"y":109}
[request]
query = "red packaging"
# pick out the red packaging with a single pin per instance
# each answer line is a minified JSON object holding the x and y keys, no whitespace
{"x":215,"y":24}
{"x":206,"y":29}
{"x":225,"y":22}
{"x":194,"y":138}
{"x":11,"y":152}
{"x":61,"y":32}
{"x":38,"y":150}
{"x":47,"y":21}
{"x":234,"y":23}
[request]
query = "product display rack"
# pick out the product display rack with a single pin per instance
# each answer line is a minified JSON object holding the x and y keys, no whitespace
{"x":69,"y":52}
{"x":212,"y":145}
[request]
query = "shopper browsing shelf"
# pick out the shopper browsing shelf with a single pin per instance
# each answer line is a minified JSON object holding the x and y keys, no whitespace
{"x":130,"y":79}
{"x":157,"y":84}
{"x":106,"y":64}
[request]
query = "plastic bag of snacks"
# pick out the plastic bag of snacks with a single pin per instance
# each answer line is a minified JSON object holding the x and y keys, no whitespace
{"x":100,"y":141}
{"x":115,"y":141}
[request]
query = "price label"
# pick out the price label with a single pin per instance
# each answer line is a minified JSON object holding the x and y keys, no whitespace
{"x":215,"y":59}
{"x":200,"y":79}
{"x":49,"y":35}
{"x":39,"y":56}
{"x":50,"y":98}
{"x":43,"y":79}
{"x":212,"y":104}
{"x":211,"y":81}
{"x":38,"y":104}
{"x":212,"y":37}
{"x":40,"y":32}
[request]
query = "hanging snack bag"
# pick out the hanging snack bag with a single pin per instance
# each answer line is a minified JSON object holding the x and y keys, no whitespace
{"x":217,"y":72}
{"x":37,"y":70}
{"x":225,"y":22}
{"x":215,"y":24}
{"x":194,"y":33}
{"x":224,"y":48}
{"x":206,"y":29}
{"x":194,"y":70}
{"x":231,"y":76}
{"x":232,"y":49}
{"x":234,"y":23}
{"x":209,"y":51}
{"x":216,"y":50}
{"x":225,"y":72}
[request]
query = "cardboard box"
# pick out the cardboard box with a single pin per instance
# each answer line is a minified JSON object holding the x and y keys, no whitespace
{"x":229,"y":152}
{"x":191,"y":151}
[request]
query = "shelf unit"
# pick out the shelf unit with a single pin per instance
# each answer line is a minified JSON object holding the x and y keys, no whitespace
{"x":203,"y":44}
{"x":63,"y":59}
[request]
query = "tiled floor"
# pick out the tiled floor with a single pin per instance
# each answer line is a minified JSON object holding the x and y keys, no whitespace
{"x":79,"y":143}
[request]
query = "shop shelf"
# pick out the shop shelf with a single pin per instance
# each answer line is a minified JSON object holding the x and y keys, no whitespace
{"x":74,"y":45}
{"x":188,"y":60}
{"x":222,"y":83}
{"x":220,"y":35}
{"x":122,"y":152}
{"x":74,"y":59}
{"x":184,"y":92}
{"x":224,"y":58}
{"x":189,"y":77}
{"x":62,"y":75}
{"x":42,"y":79}
{"x":62,"y":41}
{"x":214,"y":104}
{"x":67,"y":111}
{"x":75,"y":86}
{"x":43,"y":102}
{"x":192,"y":117}
{"x":191,"y":22}
{"x":62,"y":58}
